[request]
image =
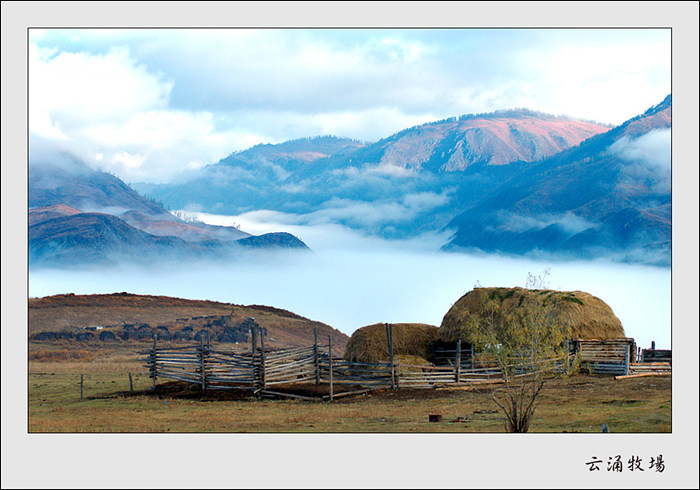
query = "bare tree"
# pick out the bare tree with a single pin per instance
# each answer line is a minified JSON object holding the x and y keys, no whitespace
{"x":524,"y":339}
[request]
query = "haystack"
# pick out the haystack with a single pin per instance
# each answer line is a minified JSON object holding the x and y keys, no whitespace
{"x":586,"y":316}
{"x":369,"y":344}
{"x":410,"y":363}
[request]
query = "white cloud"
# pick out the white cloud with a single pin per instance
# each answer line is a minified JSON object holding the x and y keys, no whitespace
{"x":75,"y":87}
{"x":519,"y":223}
{"x":649,"y":158}
{"x":114,"y":113}
{"x":186,"y":98}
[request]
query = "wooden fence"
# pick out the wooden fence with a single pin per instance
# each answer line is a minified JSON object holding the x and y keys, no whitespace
{"x":218,"y":369}
{"x":261,"y":368}
{"x":612,"y":356}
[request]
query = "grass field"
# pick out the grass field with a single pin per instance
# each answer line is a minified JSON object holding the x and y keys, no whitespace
{"x":577,"y":404}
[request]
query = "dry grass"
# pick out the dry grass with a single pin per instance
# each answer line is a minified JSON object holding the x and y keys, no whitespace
{"x":585,"y":315}
{"x":86,"y":367}
{"x":577,"y":404}
{"x":61,"y":355}
{"x":369,"y":344}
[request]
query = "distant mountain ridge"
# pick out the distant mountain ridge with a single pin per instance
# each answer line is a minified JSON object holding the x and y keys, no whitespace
{"x":595,"y":199}
{"x":79,"y":216}
{"x":516,"y":182}
{"x":496,"y":138}
{"x":420,"y":174}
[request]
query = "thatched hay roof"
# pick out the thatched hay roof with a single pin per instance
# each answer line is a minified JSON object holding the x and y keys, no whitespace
{"x":586,"y":316}
{"x":369,"y":344}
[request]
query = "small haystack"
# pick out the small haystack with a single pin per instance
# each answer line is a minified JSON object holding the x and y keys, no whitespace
{"x":409,"y":363}
{"x":369,"y":344}
{"x":586,"y":316}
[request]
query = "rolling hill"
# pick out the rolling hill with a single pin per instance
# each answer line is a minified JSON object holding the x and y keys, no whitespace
{"x":68,"y":312}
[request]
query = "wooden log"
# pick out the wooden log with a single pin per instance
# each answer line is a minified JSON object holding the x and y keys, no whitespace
{"x":155,"y":366}
{"x":458,"y":360}
{"x":288,"y":395}
{"x":290,"y":367}
{"x":390,"y":349}
{"x":354,"y":392}
{"x":262,"y":358}
{"x":201,"y":362}
{"x":316,"y":360}
{"x":330,"y":369}
{"x":640,"y":375}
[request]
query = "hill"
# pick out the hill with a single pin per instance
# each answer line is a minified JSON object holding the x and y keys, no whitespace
{"x":70,"y":312}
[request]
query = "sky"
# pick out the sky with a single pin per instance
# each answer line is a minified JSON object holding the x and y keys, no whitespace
{"x":147,"y":104}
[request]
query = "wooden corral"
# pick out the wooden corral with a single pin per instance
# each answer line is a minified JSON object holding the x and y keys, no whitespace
{"x":261,"y":368}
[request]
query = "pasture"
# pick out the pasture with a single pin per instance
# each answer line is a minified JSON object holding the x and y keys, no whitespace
{"x":580,"y":403}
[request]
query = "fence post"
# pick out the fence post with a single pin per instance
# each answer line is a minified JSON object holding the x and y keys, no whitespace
{"x":131,"y":384}
{"x":390,"y":348}
{"x":458,"y":360}
{"x":262,"y":358}
{"x":81,"y":387}
{"x":398,"y":373}
{"x":254,"y":346}
{"x":201,"y":359}
{"x":316,"y":365}
{"x":471,"y":356}
{"x":330,"y":369}
{"x":627,"y":360}
{"x":155,"y":370}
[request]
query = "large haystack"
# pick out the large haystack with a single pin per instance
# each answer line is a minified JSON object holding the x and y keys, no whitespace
{"x":586,"y":316}
{"x":369,"y":344}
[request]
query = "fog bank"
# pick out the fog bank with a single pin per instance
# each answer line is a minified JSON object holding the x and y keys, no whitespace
{"x":351,"y":281}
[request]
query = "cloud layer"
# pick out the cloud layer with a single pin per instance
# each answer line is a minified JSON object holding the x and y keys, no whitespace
{"x":351,"y":281}
{"x":648,"y":158}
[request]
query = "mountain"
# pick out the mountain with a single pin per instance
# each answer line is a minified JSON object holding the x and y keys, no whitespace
{"x":97,"y":238}
{"x":72,"y":183}
{"x":277,"y":240}
{"x":608,"y":196}
{"x":79,"y":216}
{"x":496,"y":138}
{"x":400,"y":186}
